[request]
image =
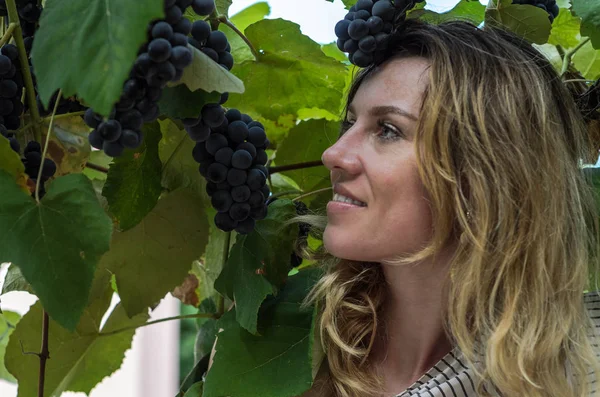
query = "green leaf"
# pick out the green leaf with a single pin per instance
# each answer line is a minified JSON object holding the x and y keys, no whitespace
{"x":91,"y":52}
{"x":55,"y":243}
{"x":80,"y":359}
{"x":259,"y":263}
{"x":332,"y":51}
{"x":589,"y":11}
{"x":179,"y":167}
{"x":244,"y":364}
{"x":133,"y":184}
{"x":180,"y":102}
{"x":307,"y":142}
{"x":222,"y":6}
{"x":156,"y":255}
{"x":14,"y":281}
{"x":254,"y":13}
{"x":565,"y":30}
{"x":291,"y":73}
{"x":98,"y":157}
{"x":527,"y":21}
{"x":209,"y":269}
{"x":8,"y":321}
{"x":10,"y":161}
{"x":205,"y":74}
{"x":472,"y":11}
{"x":195,"y":390}
{"x":587,"y":61}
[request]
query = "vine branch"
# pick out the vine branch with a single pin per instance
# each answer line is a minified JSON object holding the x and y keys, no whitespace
{"x":44,"y":354}
{"x":97,"y":167}
{"x":311,"y":193}
{"x":13,"y":16}
{"x":291,"y":167}
{"x":39,"y":175}
{"x":8,"y":34}
{"x":162,"y":320}
{"x":227,"y":22}
{"x":569,"y":55}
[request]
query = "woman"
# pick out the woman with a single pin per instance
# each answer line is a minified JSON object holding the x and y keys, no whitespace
{"x":461,"y":230}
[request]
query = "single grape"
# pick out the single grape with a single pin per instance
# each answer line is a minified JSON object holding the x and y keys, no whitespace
{"x":222,"y":200}
{"x":224,"y":222}
{"x":95,"y":139}
{"x":184,"y":26}
{"x":217,"y":173}
{"x":237,"y":131}
{"x":375,"y":25}
{"x":6,"y":107}
{"x":382,"y":41}
{"x":350,"y":45}
{"x":10,"y":51}
{"x":132,"y":119}
{"x":225,"y":58}
{"x":181,"y":57}
{"x":257,"y":136}
{"x":240,"y":194}
{"x":49,"y":168}
{"x":265,"y":191}
{"x":15,"y":145}
{"x":241,"y":159}
{"x":259,"y":213}
{"x":341,"y":29}
{"x":173,"y":15}
{"x":256,"y":179}
{"x":5,"y":64}
{"x":110,"y":131}
{"x":247,"y":146}
{"x":212,"y":54}
{"x":199,"y":132}
{"x":159,"y":49}
{"x":213,"y":115}
{"x":262,"y":169}
{"x":366,"y":5}
{"x":112,"y":149}
{"x":358,"y":29}
{"x":246,"y":226}
{"x":203,"y":7}
{"x":224,"y":155}
{"x":162,"y":30}
{"x":362,"y":59}
{"x":130,"y":139}
{"x":200,"y":154}
{"x":256,"y":199}
{"x":246,"y":118}
{"x":179,"y":39}
{"x":383,"y":9}
{"x":367,"y":44}
{"x":201,"y":30}
{"x":224,"y":98}
{"x":33,"y":146}
{"x":236,"y":177}
{"x":91,"y":119}
{"x":256,"y":124}
{"x":216,"y":142}
{"x":239,"y":211}
{"x":261,"y":157}
{"x":8,"y":88}
{"x":233,"y":115}
{"x":211,"y":188}
{"x":217,"y":41}
{"x":362,"y":15}
{"x":222,"y":128}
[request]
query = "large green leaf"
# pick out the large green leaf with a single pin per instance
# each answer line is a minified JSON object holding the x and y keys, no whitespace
{"x":155,"y":256}
{"x":254,"y":13}
{"x":259,"y":263}
{"x":589,"y":11}
{"x":56,"y":243}
{"x":180,"y":102}
{"x":307,"y":142}
{"x":78,"y":360}
{"x":14,"y":281}
{"x":469,"y":10}
{"x":587,"y":61}
{"x":8,"y":321}
{"x":195,"y":390}
{"x":88,"y":47}
{"x":244,"y":364}
{"x":527,"y":21}
{"x":565,"y":30}
{"x":205,"y":74}
{"x":179,"y":167}
{"x":291,"y":73}
{"x":133,"y":184}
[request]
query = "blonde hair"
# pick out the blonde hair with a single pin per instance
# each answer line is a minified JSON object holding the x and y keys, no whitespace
{"x":505,"y":146}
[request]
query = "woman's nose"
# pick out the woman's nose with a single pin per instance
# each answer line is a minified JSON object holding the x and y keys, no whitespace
{"x":343,"y":155}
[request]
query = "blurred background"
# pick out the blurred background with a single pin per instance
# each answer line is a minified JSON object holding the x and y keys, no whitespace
{"x":163,"y":354}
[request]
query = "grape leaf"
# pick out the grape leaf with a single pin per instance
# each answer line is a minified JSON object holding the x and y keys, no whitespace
{"x":79,"y":359}
{"x":10,"y":161}
{"x":249,"y":15}
{"x":155,"y":256}
{"x":97,"y":45}
{"x":472,"y":11}
{"x":527,"y":21}
{"x":133,"y":184}
{"x":8,"y":321}
{"x":587,"y":61}
{"x":205,"y":74}
{"x":69,"y":146}
{"x":175,"y":151}
{"x":14,"y":281}
{"x":590,"y":19}
{"x":195,"y":390}
{"x":55,"y":243}
{"x":307,"y":142}
{"x":259,"y":263}
{"x":291,"y":73}
{"x":565,"y":30}
{"x":222,"y":6}
{"x":180,"y":102}
{"x":244,"y":364}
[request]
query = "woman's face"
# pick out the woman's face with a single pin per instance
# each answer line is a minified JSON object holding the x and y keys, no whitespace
{"x":374,"y":162}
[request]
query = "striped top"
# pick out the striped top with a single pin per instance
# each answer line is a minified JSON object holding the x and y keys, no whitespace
{"x":451,"y":377}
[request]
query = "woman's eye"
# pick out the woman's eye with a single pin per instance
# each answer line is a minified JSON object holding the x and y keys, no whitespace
{"x":388,"y":132}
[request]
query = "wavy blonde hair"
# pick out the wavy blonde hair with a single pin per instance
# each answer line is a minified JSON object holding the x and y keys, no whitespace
{"x":505,"y":146}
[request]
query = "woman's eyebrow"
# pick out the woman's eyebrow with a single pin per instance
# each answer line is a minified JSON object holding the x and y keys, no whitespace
{"x":383,"y":110}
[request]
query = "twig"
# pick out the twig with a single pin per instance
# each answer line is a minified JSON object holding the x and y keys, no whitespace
{"x":39,"y":175}
{"x":284,"y":193}
{"x":97,"y":167}
{"x":63,"y":116}
{"x":44,"y":354}
{"x":162,"y":320}
{"x":8,"y":34}
{"x":569,"y":54}
{"x":13,"y":16}
{"x":291,"y":167}
{"x":311,"y":193}
{"x":227,"y":22}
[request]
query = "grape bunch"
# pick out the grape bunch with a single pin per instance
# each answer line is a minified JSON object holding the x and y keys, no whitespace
{"x":32,"y":159}
{"x":232,"y":158}
{"x":29,"y":16}
{"x":212,"y":43}
{"x":549,"y":6}
{"x":11,"y":87}
{"x":160,"y":60}
{"x":364,"y":31}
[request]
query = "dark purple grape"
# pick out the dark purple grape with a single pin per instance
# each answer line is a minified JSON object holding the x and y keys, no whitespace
{"x":240,"y":194}
{"x":246,"y":118}
{"x":130,"y":139}
{"x":49,"y":168}
{"x":224,"y":98}
{"x":173,"y":15}
{"x":217,"y":41}
{"x":162,"y":30}
{"x":92,"y":119}
{"x":341,"y":29}
{"x":221,"y":200}
{"x":6,"y":107}
{"x":110,"y":131}
{"x":375,"y":25}
{"x":256,"y":179}
{"x":259,"y":213}
{"x":224,"y":222}
{"x":159,"y":50}
{"x":350,"y":45}
{"x":239,"y":211}
{"x":256,"y":199}
{"x":181,"y":57}
{"x":247,"y":146}
{"x":225,"y":58}
{"x":179,"y":39}
{"x":201,"y":31}
{"x":362,"y":15}
{"x":203,"y":7}
{"x":216,"y":142}
{"x":237,"y":131}
{"x":241,"y":159}
{"x":8,"y":88}
{"x":261,"y":157}
{"x":211,"y":188}
{"x":233,"y":115}
{"x":184,"y":26}
{"x":112,"y":149}
{"x":358,"y":29}
{"x":224,"y":155}
{"x":200,"y":154}
{"x":10,"y":51}
{"x":5,"y":64}
{"x":217,"y":173}
{"x":33,"y":146}
{"x":95,"y":139}
{"x":132,"y":119}
{"x":366,"y":5}
{"x":384,"y":9}
{"x":256,"y":124}
{"x":362,"y":59}
{"x":367,"y":44}
{"x":236,"y":177}
{"x":212,"y":54}
{"x":14,"y":145}
{"x":257,"y":136}
{"x":199,"y":132}
{"x":213,"y":115}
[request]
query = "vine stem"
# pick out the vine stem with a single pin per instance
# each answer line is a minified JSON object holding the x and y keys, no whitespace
{"x":13,"y":16}
{"x":569,"y":55}
{"x":63,"y":116}
{"x":227,"y":22}
{"x":39,"y":176}
{"x":162,"y":320}
{"x":44,"y":354}
{"x":311,"y":193}
{"x":97,"y":167}
{"x":291,"y":167}
{"x":8,"y":34}
{"x":221,"y":299}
